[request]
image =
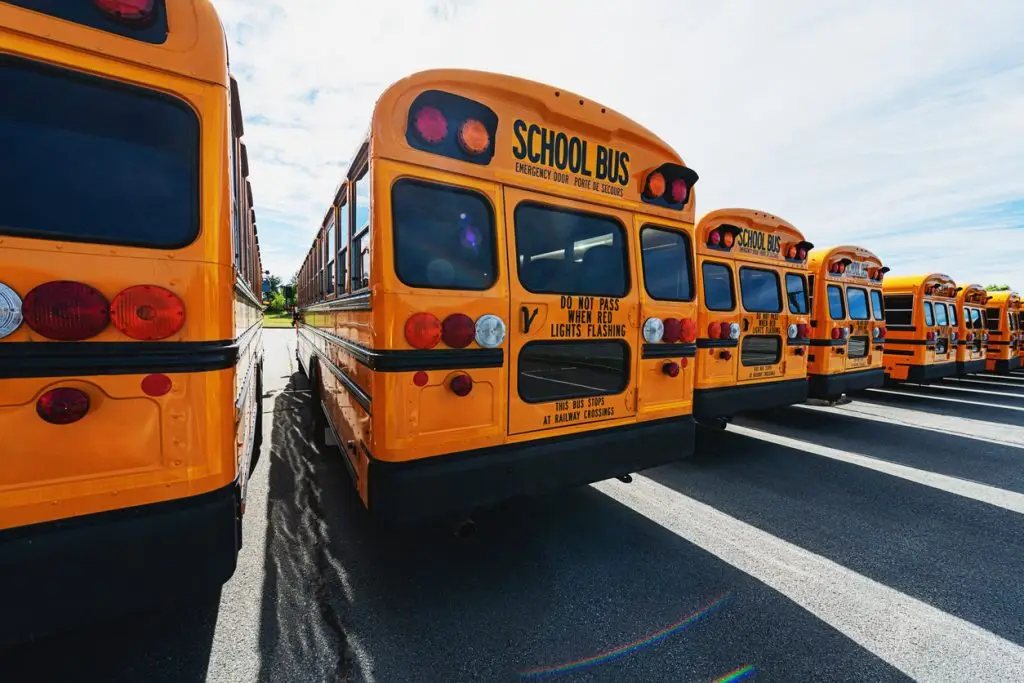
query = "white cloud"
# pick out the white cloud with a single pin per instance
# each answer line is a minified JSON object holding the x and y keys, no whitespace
{"x":850,"y":119}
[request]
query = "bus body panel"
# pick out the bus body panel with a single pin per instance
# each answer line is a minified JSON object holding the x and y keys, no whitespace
{"x":970,"y":350}
{"x":1003,"y":319}
{"x":918,"y":347}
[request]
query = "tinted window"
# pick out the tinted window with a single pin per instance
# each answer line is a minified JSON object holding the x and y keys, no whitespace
{"x":718,"y":292}
{"x":552,"y":371}
{"x":929,"y":316}
{"x":857,"y":300}
{"x":899,"y":310}
{"x":760,"y":350}
{"x":836,"y":307}
{"x":796,"y":293}
{"x":666,"y":259}
{"x":568,"y":252}
{"x":361,"y":199}
{"x":759,"y":290}
{"x":940,"y":315}
{"x":952,"y":315}
{"x":992,"y":319}
{"x":88,"y":160}
{"x":877,"y":311}
{"x":444,"y":236}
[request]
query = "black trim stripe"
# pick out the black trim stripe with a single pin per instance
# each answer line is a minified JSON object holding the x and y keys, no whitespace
{"x":408,"y":361}
{"x":799,"y":341}
{"x":82,"y":359}
{"x":717,"y":343}
{"x":992,"y":342}
{"x":351,"y":302}
{"x":668,"y":351}
{"x":242,"y":288}
{"x":897,"y":352}
{"x":901,"y":328}
{"x":910,"y":342}
{"x":362,"y":398}
{"x":827,"y":342}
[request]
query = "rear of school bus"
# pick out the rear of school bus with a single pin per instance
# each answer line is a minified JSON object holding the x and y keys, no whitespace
{"x":118,"y":460}
{"x":1002,"y":314}
{"x":848,"y":322}
{"x":531,"y":298}
{"x":972,"y":335}
{"x":920,"y":343}
{"x":753,"y":314}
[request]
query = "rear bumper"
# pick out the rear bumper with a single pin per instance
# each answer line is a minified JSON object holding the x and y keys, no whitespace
{"x":1003,"y":365}
{"x":922,"y":374}
{"x":67,"y":573}
{"x":831,"y":386}
{"x":969,"y":367}
{"x":728,"y":401}
{"x":445,"y":486}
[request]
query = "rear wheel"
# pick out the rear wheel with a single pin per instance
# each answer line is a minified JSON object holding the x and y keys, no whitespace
{"x":257,"y":441}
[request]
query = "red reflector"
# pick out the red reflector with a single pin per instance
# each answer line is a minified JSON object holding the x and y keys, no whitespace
{"x":726,"y":329}
{"x":156,"y":385}
{"x":688,"y":335}
{"x":63,"y":406}
{"x":147,"y":312}
{"x":457,"y":330}
{"x":881,"y":332}
{"x":682,"y":362}
{"x":423,"y":330}
{"x":679,"y":191}
{"x":461,"y":385}
{"x":420,"y":378}
{"x":126,"y":10}
{"x":673,"y":330}
{"x":836,"y":333}
{"x":671,"y":369}
{"x":714,"y":330}
{"x":431,"y":125}
{"x":473,"y":137}
{"x":66,"y":311}
{"x":803,"y":330}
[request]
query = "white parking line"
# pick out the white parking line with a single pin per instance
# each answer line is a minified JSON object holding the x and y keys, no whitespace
{"x":1008,"y":500}
{"x":923,"y":642}
{"x":907,"y":391}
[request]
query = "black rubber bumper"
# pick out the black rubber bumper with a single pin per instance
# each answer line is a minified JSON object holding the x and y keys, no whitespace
{"x":729,"y":401}
{"x":969,"y":367}
{"x":832,"y":386}
{"x":443,"y":487}
{"x":1004,"y":366}
{"x":64,"y":574}
{"x":921,"y":374}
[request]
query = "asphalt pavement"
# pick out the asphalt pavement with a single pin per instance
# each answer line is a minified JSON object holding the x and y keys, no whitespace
{"x":879,"y":540}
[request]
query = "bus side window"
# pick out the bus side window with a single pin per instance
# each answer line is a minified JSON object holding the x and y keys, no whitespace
{"x":718,"y":290}
{"x":929,"y":314}
{"x":343,"y":251}
{"x":796,"y":292}
{"x":361,"y":230}
{"x":329,"y":230}
{"x":940,"y":315}
{"x":876,"y":305}
{"x":899,"y":310}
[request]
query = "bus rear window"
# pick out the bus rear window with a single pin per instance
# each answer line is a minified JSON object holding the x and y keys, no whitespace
{"x":836,"y":307}
{"x":940,"y":315}
{"x":796,"y":292}
{"x":444,"y":236}
{"x":857,"y":301}
{"x":666,"y":260}
{"x":759,"y":290}
{"x":91,"y":160}
{"x":877,"y":312}
{"x":992,"y":319}
{"x":569,"y":252}
{"x":717,"y":281}
{"x":929,"y":315}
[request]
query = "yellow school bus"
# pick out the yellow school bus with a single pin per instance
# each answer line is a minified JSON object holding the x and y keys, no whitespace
{"x":847,"y":323}
{"x":971,"y":329}
{"x":1002,"y":313}
{"x":752,"y":348}
{"x":130,"y":347}
{"x":920,"y":344}
{"x":500,"y":299}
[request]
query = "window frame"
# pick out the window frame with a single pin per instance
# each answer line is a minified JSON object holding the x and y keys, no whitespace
{"x":806,"y":292}
{"x":842,"y":301}
{"x":872,"y":293}
{"x":357,"y":235}
{"x":929,"y":312}
{"x":778,"y":288}
{"x":867,"y":303}
{"x":687,"y":245}
{"x":732,"y":286}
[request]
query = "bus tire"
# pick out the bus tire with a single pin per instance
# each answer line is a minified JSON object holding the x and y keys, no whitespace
{"x":257,"y":439}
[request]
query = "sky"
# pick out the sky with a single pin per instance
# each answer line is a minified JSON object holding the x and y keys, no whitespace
{"x":895,"y":125}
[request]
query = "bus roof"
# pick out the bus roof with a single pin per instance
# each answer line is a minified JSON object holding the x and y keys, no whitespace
{"x":972,"y":293}
{"x":822,"y":255}
{"x":750,"y":221}
{"x":195,"y":46}
{"x":526,"y":111}
{"x":1008,"y":297}
{"x":920,"y":282}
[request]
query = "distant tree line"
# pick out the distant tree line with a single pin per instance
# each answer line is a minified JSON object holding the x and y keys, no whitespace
{"x":997,"y":288}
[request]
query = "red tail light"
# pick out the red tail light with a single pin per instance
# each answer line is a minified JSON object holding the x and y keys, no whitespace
{"x":836,"y":333}
{"x":881,"y":333}
{"x":801,"y":253}
{"x":431,"y":125}
{"x":457,"y":330}
{"x":655,"y":185}
{"x":673,"y":330}
{"x":714,"y":330}
{"x":688,"y":333}
{"x":715,"y":238}
{"x":126,"y":10}
{"x":461,"y":385}
{"x":803,"y":330}
{"x":724,"y":329}
{"x":671,"y":369}
{"x":63,"y":406}
{"x":423,"y":330}
{"x":727,"y":240}
{"x":66,"y":311}
{"x":791,"y":252}
{"x":679,"y":191}
{"x":147,"y":313}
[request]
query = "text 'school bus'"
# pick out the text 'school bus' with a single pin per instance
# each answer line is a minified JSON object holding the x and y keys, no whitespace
{"x":130,"y":348}
{"x":500,"y":300}
{"x":972,"y":330}
{"x":1003,"y":317}
{"x":847,"y":322}
{"x":921,"y":327}
{"x":752,"y":347}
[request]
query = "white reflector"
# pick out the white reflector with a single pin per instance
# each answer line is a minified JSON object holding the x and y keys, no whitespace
{"x":10,"y":310}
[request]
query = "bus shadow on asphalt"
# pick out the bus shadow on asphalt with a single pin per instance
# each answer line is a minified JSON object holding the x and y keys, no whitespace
{"x":995,"y":464}
{"x":999,"y":412}
{"x":543,"y":582}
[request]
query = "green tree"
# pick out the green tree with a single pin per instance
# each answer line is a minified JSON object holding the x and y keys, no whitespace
{"x":998,"y":288}
{"x":276,"y":304}
{"x":274,"y":280}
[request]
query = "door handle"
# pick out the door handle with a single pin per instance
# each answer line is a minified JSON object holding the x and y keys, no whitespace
{"x":746,"y":324}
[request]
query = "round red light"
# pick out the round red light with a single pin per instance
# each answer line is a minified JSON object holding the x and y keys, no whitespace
{"x":673,"y":330}
{"x":156,"y":385}
{"x":803,"y":330}
{"x":682,"y":362}
{"x":63,"y":406}
{"x":715,"y":238}
{"x":726,"y":329}
{"x":714,"y":330}
{"x":457,"y":330}
{"x":842,"y":267}
{"x":881,"y":332}
{"x":688,"y":335}
{"x":461,"y":385}
{"x":679,"y":191}
{"x":801,"y":253}
{"x":727,"y":240}
{"x":431,"y":125}
{"x":671,"y":369}
{"x":147,"y":312}
{"x":420,"y":378}
{"x":423,"y":330}
{"x":66,"y":311}
{"x":126,"y":10}
{"x":655,"y":185}
{"x":791,"y":252}
{"x":836,"y":333}
{"x":473,"y":137}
